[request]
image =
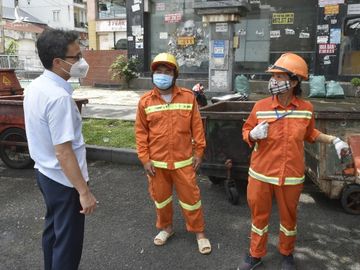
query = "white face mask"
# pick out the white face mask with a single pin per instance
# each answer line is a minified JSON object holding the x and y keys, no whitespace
{"x":78,"y":69}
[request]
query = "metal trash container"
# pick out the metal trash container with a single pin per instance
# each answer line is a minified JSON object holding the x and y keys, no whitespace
{"x":223,"y":123}
{"x":226,"y":156}
{"x":323,"y":167}
{"x":13,"y":143}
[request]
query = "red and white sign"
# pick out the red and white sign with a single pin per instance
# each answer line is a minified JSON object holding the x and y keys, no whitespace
{"x":327,"y":48}
{"x":173,"y":17}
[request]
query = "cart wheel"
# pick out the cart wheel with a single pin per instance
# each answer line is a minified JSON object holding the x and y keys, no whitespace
{"x":216,"y":180}
{"x":15,"y":156}
{"x":231,"y":191}
{"x":350,"y":199}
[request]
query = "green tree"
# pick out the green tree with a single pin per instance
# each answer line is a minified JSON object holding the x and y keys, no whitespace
{"x":124,"y":68}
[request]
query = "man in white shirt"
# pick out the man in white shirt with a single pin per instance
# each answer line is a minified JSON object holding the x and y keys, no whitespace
{"x":53,"y":127}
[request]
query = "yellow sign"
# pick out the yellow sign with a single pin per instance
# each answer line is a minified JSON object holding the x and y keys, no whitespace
{"x":185,"y":41}
{"x":331,"y":9}
{"x":6,"y":80}
{"x":283,"y":18}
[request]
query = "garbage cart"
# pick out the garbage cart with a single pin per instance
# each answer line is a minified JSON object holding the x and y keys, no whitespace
{"x":336,"y":178}
{"x":227,"y":156}
{"x":13,"y":143}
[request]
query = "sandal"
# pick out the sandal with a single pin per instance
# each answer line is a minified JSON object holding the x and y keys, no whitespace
{"x":204,"y":246}
{"x":161,"y":238}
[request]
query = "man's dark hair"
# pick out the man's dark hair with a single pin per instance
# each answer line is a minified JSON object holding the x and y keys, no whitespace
{"x":53,"y":43}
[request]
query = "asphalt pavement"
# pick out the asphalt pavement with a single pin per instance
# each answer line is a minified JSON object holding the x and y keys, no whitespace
{"x":119,"y":235}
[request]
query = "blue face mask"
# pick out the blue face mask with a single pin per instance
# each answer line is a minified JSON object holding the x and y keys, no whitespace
{"x":163,"y":81}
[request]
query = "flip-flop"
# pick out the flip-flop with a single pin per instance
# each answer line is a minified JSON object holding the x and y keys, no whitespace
{"x":204,"y":246}
{"x":161,"y":238}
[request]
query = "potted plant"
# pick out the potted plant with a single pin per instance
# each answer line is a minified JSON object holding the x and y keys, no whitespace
{"x":124,"y":69}
{"x":355,"y":82}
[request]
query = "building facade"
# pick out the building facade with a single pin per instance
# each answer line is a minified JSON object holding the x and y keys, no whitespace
{"x":325,"y":32}
{"x":65,"y":14}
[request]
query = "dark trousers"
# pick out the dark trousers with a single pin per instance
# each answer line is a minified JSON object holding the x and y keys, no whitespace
{"x":64,"y":226}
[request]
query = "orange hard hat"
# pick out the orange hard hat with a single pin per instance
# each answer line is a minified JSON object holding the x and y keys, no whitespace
{"x":290,"y":63}
{"x":166,"y":59}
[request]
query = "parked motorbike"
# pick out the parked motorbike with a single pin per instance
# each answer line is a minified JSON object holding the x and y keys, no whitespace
{"x":199,"y":92}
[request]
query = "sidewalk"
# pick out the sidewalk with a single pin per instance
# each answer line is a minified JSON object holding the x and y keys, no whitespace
{"x":109,"y":104}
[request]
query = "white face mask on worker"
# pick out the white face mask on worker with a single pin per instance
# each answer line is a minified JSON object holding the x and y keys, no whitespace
{"x":79,"y":69}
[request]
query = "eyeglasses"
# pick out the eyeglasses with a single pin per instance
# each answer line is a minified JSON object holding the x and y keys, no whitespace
{"x":76,"y":57}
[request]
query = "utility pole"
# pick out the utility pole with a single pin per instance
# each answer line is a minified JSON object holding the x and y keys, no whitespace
{"x":2,"y":36}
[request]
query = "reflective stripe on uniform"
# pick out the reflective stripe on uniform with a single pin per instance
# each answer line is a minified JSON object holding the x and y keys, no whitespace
{"x":261,"y":177}
{"x":159,"y":164}
{"x":168,"y":107}
{"x":259,"y":231}
{"x":184,"y":163}
{"x":293,"y":114}
{"x":275,"y":180}
{"x":164,"y":203}
{"x":190,"y":207}
{"x":177,"y":165}
{"x":294,"y":180}
{"x":287,"y":232}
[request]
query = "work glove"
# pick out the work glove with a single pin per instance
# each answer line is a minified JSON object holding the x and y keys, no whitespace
{"x":341,"y":147}
{"x":260,"y":131}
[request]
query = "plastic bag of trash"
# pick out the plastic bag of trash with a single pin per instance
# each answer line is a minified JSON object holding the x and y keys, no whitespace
{"x":317,"y":86}
{"x":334,"y":90}
{"x":242,"y":85}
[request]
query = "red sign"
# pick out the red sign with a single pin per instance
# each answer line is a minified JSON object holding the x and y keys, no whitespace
{"x":173,"y":17}
{"x":327,"y":48}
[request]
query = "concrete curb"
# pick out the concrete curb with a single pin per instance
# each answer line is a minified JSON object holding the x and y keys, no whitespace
{"x":119,"y":155}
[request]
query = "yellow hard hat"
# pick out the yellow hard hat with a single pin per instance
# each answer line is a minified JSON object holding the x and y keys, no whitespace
{"x":166,"y":59}
{"x":290,"y":63}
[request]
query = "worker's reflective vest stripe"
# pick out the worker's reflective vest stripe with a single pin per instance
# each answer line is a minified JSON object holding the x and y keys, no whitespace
{"x":164,"y":203}
{"x":168,"y":107}
{"x":177,"y":165}
{"x":289,"y":114}
{"x":288,"y":232}
{"x":258,"y":231}
{"x":276,"y":180}
{"x":190,"y":207}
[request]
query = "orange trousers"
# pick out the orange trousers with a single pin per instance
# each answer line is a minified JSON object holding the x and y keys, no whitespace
{"x":259,"y":196}
{"x":188,"y":193}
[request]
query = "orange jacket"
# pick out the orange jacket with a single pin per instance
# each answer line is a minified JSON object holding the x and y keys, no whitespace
{"x":279,"y":159}
{"x":164,"y":131}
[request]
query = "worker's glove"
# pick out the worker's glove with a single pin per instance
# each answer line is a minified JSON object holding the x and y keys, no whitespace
{"x":341,"y":147}
{"x":260,"y":131}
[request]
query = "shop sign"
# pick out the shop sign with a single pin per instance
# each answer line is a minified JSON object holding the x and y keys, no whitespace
{"x":332,"y":9}
{"x":173,"y":18}
{"x":283,"y":18}
{"x":185,"y":41}
{"x":221,"y":27}
{"x":219,"y":49}
{"x":322,"y":39}
{"x":110,"y":25}
{"x":323,"y":3}
{"x":353,"y":9}
{"x":327,"y":48}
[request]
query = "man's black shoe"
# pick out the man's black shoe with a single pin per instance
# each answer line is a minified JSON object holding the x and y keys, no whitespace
{"x":250,"y":263}
{"x":288,"y":262}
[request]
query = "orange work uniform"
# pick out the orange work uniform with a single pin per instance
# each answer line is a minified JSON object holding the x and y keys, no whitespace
{"x":165,"y":133}
{"x":277,"y":168}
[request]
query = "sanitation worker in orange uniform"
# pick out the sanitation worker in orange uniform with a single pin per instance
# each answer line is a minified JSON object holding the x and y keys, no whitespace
{"x":170,"y":144}
{"x":277,"y":128}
